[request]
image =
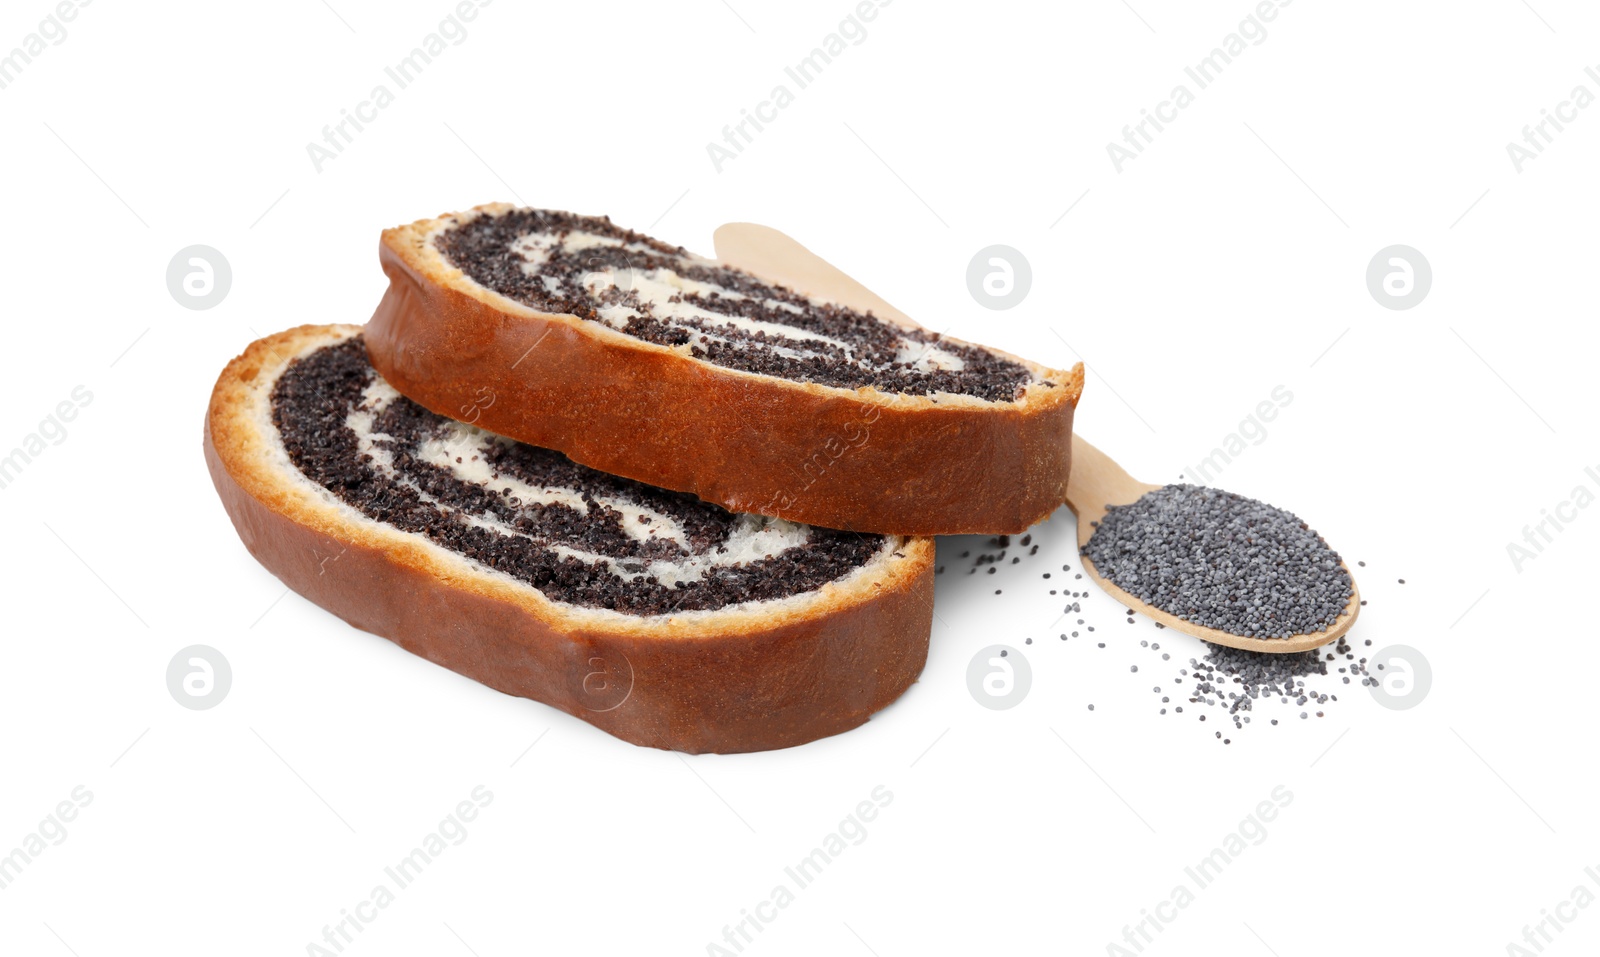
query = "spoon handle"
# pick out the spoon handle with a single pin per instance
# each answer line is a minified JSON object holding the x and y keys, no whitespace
{"x":1097,"y":481}
{"x":768,"y":253}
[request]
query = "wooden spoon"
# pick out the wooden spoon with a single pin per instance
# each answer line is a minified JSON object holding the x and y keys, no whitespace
{"x":1096,"y":481}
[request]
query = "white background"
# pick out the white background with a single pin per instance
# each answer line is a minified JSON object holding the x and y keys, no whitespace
{"x":1225,"y":261}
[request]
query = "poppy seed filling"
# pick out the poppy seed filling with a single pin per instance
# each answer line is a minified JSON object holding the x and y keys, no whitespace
{"x":579,"y":536}
{"x":560,"y":263}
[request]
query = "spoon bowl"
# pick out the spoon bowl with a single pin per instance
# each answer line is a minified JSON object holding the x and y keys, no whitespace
{"x":1096,"y":484}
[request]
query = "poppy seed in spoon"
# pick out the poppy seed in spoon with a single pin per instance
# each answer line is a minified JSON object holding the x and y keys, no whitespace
{"x":1222,"y":561}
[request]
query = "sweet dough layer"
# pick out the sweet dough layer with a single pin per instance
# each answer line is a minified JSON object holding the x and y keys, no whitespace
{"x":579,"y":536}
{"x":585,"y":266}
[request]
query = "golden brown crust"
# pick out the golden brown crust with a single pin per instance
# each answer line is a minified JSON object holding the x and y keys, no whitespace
{"x":738,"y":680}
{"x":860,"y":460}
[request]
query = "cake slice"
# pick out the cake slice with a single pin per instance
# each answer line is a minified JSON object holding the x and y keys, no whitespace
{"x":642,"y":360}
{"x":664,"y":620}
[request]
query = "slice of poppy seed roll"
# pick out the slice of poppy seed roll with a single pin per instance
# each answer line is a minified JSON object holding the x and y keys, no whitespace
{"x":662,"y":619}
{"x":640,"y":359}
